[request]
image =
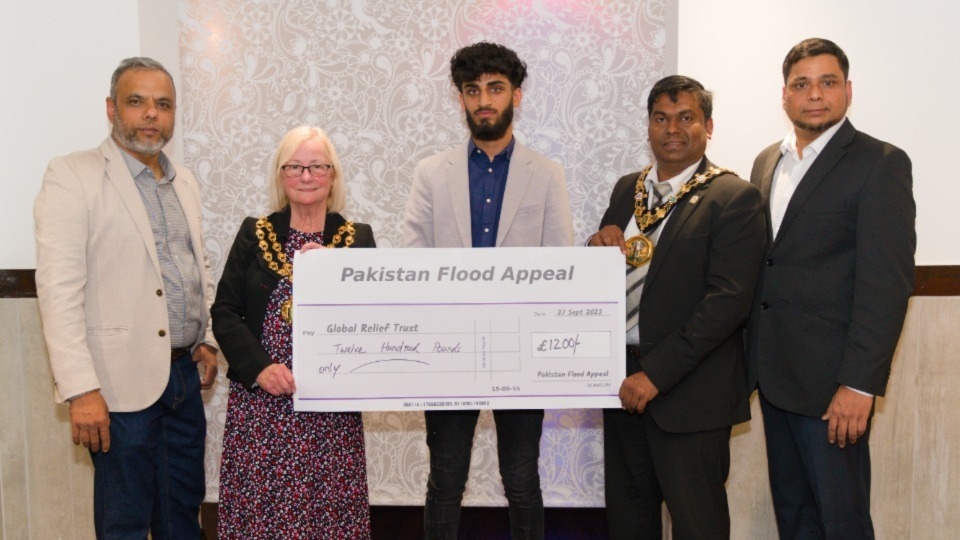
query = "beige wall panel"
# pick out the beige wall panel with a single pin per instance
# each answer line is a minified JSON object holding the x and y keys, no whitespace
{"x":14,"y":510}
{"x":81,"y":489}
{"x":748,"y":488}
{"x":47,"y":435}
{"x":916,"y":471}
{"x":936,"y":495}
{"x":893,"y":431}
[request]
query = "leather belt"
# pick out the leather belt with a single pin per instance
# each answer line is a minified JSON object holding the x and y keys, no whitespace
{"x":178,"y":352}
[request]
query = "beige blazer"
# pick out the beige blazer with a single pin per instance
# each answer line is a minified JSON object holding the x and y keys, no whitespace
{"x":536,"y":210}
{"x":98,"y":279}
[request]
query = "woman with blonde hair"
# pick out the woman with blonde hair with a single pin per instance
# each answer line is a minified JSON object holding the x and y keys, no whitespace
{"x":285,"y":474}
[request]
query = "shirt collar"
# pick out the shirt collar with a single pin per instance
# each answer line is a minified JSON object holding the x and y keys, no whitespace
{"x":789,"y":143}
{"x":137,"y":167}
{"x":506,"y":152}
{"x":677,"y":181}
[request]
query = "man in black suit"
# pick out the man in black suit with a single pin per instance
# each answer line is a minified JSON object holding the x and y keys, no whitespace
{"x":692,"y":264}
{"x":831,"y":298}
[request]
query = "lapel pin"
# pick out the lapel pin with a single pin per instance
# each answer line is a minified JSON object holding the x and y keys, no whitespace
{"x":694,"y":199}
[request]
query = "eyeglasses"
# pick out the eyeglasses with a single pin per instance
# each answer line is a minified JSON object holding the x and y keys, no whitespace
{"x":317,"y":169}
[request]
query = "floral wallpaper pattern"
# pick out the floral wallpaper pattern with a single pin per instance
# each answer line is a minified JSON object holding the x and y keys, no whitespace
{"x":375,"y":75}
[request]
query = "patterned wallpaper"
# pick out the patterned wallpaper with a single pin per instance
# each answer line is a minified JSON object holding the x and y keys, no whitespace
{"x":375,"y":75}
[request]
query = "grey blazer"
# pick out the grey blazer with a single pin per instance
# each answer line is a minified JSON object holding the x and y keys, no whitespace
{"x":536,"y":211}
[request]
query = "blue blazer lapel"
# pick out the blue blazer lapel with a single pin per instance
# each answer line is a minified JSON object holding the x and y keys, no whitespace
{"x":832,"y":153}
{"x":458,"y":170}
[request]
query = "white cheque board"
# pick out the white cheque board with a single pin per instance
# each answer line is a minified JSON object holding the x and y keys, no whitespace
{"x":492,"y":328}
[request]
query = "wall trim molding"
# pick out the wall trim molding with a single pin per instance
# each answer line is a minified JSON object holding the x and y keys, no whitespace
{"x":18,"y":284}
{"x":937,"y":281}
{"x":930,"y":281}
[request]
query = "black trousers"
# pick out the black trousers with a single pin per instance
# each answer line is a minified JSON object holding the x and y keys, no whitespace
{"x":645,"y":466}
{"x":450,"y":440}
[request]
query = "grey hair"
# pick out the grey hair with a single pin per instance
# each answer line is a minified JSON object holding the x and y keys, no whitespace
{"x":136,"y":63}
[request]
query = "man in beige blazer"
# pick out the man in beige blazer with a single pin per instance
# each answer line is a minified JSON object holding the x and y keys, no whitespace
{"x":489,"y":192}
{"x":124,"y":291}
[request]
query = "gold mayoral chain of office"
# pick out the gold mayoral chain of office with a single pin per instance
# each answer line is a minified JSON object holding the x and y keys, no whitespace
{"x":640,"y":247}
{"x":277,"y":260}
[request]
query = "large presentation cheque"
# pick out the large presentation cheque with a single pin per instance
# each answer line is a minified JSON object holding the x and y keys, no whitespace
{"x":491,"y":328}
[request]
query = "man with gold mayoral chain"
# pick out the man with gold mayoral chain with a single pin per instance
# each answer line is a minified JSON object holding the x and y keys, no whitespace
{"x":693,"y":236}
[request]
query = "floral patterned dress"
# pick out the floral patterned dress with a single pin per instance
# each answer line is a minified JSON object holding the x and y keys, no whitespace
{"x":286,"y":474}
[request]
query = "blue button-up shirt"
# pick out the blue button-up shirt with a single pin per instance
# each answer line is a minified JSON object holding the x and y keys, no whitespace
{"x":488,"y":181}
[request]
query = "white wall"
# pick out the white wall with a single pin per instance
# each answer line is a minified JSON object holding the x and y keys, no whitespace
{"x":56,"y":57}
{"x":904,"y":74}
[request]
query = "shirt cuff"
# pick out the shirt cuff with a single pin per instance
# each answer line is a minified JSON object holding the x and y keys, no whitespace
{"x":81,"y":394}
{"x":861,"y":392}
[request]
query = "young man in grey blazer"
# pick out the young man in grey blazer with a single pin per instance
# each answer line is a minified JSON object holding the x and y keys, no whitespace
{"x":831,"y":299}
{"x":490,"y":191}
{"x":124,"y":290}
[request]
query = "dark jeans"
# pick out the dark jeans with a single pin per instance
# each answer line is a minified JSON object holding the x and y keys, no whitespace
{"x":450,"y":439}
{"x":152,"y":479}
{"x":819,"y":489}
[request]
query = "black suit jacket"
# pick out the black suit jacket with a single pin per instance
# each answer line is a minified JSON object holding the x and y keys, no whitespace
{"x":695,"y":299}
{"x":833,"y":290}
{"x":244,"y":292}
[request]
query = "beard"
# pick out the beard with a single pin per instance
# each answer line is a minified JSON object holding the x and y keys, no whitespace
{"x":817,"y":128}
{"x":127,"y":137}
{"x":487,"y":131}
